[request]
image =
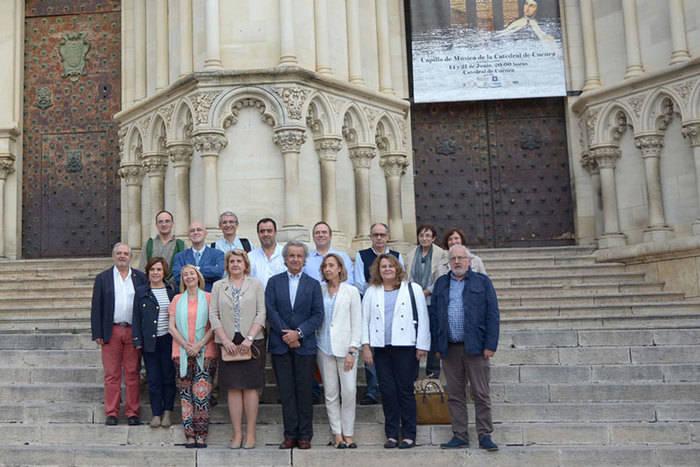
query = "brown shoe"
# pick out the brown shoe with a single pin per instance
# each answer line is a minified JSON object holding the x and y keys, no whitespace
{"x":288,"y":443}
{"x":167,"y":419}
{"x":304,"y":444}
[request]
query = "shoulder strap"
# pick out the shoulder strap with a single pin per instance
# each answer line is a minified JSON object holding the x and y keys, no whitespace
{"x":213,"y":245}
{"x":246,"y":244}
{"x":413,"y":306}
{"x":149,"y":248}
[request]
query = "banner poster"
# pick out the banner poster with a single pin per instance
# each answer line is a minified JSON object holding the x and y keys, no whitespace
{"x":486,"y":49}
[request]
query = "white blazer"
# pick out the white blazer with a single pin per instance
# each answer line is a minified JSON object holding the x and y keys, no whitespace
{"x":346,"y":325}
{"x":403,"y":331}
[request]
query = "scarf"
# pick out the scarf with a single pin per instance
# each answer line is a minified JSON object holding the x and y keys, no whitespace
{"x":182,"y":322}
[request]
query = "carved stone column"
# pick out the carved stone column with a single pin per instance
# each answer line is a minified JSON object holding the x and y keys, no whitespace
{"x":155,"y":164}
{"x":132,"y":173}
{"x":185,"y":37}
{"x":180,"y":153}
{"x":634,"y":53}
{"x":590,"y":48}
{"x":361,"y":157}
{"x":327,"y":148}
{"x":7,"y":166}
{"x":288,"y":55}
{"x":679,"y":39}
{"x":691,"y":130}
{"x":354,"y":42}
{"x":290,"y":139}
{"x":323,"y":52}
{"x":209,"y":142}
{"x":590,"y":164}
{"x":606,"y":157}
{"x":139,"y":70}
{"x":394,"y":166}
{"x":650,"y":145}
{"x":162,"y":59}
{"x":383,"y":47}
{"x":212,"y":59}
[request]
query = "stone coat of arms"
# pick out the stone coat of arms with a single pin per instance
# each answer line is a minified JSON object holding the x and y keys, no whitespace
{"x":73,"y":49}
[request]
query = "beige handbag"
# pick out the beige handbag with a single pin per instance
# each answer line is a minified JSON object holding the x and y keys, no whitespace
{"x":238,"y":356}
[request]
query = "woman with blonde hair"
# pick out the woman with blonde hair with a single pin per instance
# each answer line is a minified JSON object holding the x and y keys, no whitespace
{"x":338,"y":340}
{"x":237,"y":315}
{"x":194,"y":354}
{"x":395,"y":325}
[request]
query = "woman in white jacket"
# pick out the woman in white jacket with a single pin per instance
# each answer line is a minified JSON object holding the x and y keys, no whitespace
{"x":338,"y":340}
{"x":398,"y":342}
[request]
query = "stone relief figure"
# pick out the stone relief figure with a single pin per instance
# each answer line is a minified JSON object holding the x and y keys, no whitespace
{"x":527,"y":22}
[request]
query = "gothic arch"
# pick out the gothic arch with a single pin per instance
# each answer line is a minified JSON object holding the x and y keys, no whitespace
{"x":659,"y":109}
{"x":156,"y":135}
{"x":355,"y":126}
{"x":387,"y":135}
{"x":225,"y":110}
{"x":181,"y":126}
{"x":134,"y":145}
{"x":693,"y":111}
{"x":615,"y":118}
{"x":319,"y":116}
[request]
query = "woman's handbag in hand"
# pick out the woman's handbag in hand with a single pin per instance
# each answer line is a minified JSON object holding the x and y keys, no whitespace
{"x":239,"y":356}
{"x":431,"y":402}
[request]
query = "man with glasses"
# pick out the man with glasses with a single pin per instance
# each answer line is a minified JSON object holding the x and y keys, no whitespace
{"x":465,"y":337}
{"x":379,"y":235}
{"x":209,"y":261}
{"x":228,"y":223}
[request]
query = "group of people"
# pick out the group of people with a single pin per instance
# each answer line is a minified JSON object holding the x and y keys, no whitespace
{"x":318,"y":309}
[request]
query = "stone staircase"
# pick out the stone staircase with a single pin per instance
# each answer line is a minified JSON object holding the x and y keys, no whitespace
{"x":596,"y":366}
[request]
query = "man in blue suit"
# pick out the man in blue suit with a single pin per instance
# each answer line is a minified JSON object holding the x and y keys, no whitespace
{"x":209,"y":261}
{"x":294,"y":309}
{"x":464,"y":329}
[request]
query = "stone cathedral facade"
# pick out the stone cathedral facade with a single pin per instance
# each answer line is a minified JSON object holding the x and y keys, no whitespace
{"x":300,"y":110}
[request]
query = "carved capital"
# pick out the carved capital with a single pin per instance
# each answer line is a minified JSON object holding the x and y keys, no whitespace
{"x":361,"y":156}
{"x":155,"y":163}
{"x":589,"y":163}
{"x":289,"y":139}
{"x":606,"y":156}
{"x":180,"y":153}
{"x":7,"y":165}
{"x":293,"y":98}
{"x":394,"y":165}
{"x":209,"y":143}
{"x":131,"y":172}
{"x":650,"y":145}
{"x":328,"y":147}
{"x":692,"y":132}
{"x":201,"y":103}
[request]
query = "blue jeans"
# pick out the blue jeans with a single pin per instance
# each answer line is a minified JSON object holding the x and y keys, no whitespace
{"x":160,"y":374}
{"x":372,"y":383}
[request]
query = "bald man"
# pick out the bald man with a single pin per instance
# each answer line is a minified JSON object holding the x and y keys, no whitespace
{"x":209,"y":261}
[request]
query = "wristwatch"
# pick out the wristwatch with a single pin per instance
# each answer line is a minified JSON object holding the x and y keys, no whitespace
{"x":301,"y":334}
{"x":250,"y":338}
{"x":351,"y":353}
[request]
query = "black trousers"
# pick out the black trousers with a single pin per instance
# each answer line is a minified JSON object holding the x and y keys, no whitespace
{"x":295,"y":376}
{"x":396,"y":370}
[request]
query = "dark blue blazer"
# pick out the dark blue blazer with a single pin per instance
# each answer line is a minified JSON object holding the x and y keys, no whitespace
{"x":211,"y":265}
{"x":481,"y":317}
{"x":145,"y":319}
{"x":307,"y":314}
{"x":102,"y":311}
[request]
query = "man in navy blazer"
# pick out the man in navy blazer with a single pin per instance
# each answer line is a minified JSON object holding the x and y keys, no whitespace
{"x":464,"y":327}
{"x":294,"y":309}
{"x":209,"y":261}
{"x":111,"y":317}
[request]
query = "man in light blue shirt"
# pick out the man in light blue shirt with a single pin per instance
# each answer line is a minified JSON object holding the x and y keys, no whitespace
{"x":228,"y":223}
{"x":322,"y":235}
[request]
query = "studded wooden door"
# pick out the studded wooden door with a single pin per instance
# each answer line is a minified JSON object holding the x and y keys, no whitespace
{"x":497,"y":169}
{"x":72,"y":88}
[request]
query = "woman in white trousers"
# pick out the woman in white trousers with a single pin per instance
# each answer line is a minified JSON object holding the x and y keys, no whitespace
{"x":338,"y":340}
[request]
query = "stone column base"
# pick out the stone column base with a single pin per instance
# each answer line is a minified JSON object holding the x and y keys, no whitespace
{"x":612,"y":240}
{"x":293,"y":232}
{"x":657,"y":234}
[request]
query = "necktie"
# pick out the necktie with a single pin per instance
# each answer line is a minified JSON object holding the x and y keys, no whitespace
{"x":197,"y":257}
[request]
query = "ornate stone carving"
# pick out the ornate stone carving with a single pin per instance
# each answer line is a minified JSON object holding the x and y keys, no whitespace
{"x":328,"y":147}
{"x":73,"y":50}
{"x":155,"y":164}
{"x":180,"y":153}
{"x":131,"y":172}
{"x":692,"y":132}
{"x":253,"y":102}
{"x":361,"y":156}
{"x":606,"y":156}
{"x":201,"y":103}
{"x":403,"y":130}
{"x":289,"y":139}
{"x":336,"y":102}
{"x":685,"y":88}
{"x":394,"y":165}
{"x":349,"y":133}
{"x":591,"y":121}
{"x":371,"y":114}
{"x":635,"y":102}
{"x":589,"y":163}
{"x":293,"y":99}
{"x":43,"y":98}
{"x":167,"y":113}
{"x":145,"y":124}
{"x":210,"y":143}
{"x":122,"y":139}
{"x":7,"y":165}
{"x":649,"y":145}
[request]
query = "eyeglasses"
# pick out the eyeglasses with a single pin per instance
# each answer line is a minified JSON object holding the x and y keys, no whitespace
{"x":459,"y":258}
{"x":197,"y":229}
{"x":379,"y":235}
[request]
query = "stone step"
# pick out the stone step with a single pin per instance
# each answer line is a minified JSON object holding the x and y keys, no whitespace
{"x":540,"y":261}
{"x":508,"y":300}
{"x":365,"y":456}
{"x":688,"y":307}
{"x":556,"y":290}
{"x":366,"y":434}
{"x":83,"y":291}
{"x":582,"y":277}
{"x":71,"y":305}
{"x":526,"y":270}
{"x":65,"y":283}
{"x":517,"y":253}
{"x":610,"y":321}
{"x":269,"y":414}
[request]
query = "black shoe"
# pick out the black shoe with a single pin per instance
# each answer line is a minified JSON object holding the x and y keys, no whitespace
{"x":111,"y":420}
{"x":487,"y":444}
{"x":407,"y":445}
{"x":391,"y":444}
{"x":191,"y":445}
{"x":368,"y":401}
{"x":134,"y":421}
{"x":200,"y":444}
